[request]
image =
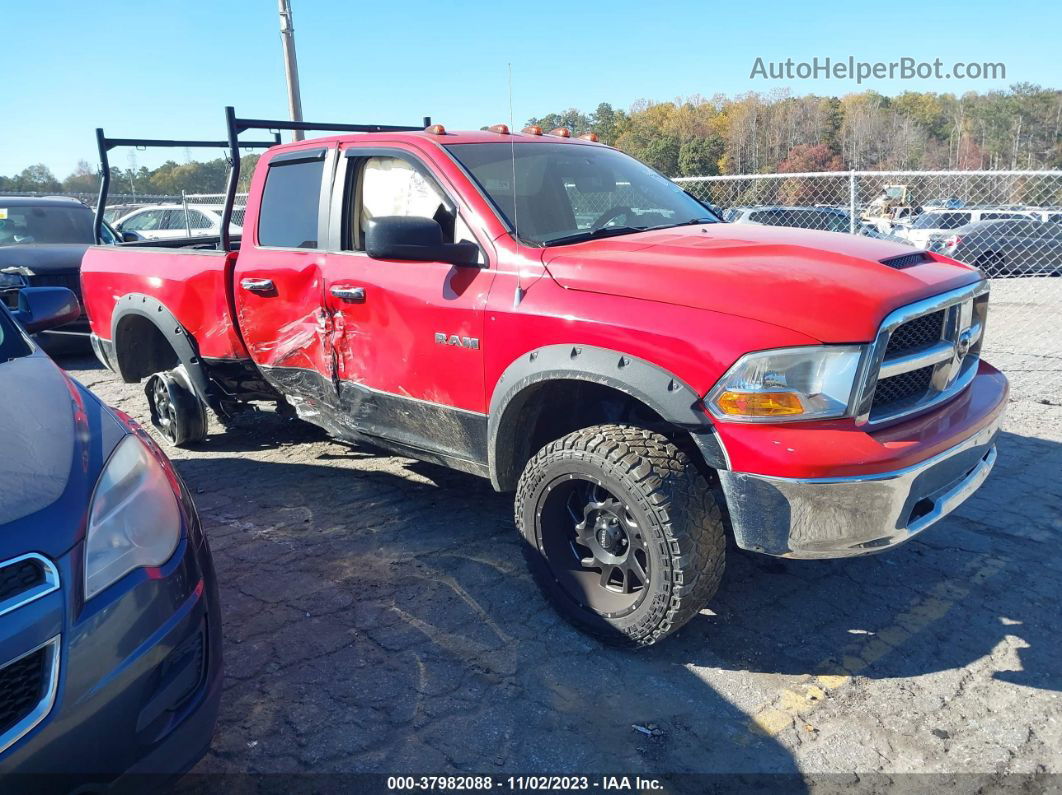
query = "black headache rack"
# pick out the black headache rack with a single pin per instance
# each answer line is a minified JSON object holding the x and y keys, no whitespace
{"x":106,"y":144}
{"x":235,"y":125}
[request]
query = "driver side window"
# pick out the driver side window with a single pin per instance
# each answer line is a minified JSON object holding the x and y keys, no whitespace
{"x":144,"y":222}
{"x":394,"y":186}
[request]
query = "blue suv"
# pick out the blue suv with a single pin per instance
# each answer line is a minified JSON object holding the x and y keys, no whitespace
{"x":110,"y":631}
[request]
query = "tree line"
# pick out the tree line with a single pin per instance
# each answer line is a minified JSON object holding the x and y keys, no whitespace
{"x":779,"y":133}
{"x":1020,"y":128}
{"x":169,"y":179}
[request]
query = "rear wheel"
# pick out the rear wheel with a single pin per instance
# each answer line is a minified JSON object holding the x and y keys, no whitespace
{"x":622,"y":532}
{"x":992,"y":264}
{"x":176,"y":411}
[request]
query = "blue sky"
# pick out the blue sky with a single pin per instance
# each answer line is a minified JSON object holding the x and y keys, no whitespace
{"x":167,"y":67}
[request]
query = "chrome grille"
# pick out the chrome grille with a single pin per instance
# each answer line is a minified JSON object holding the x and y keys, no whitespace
{"x":924,"y":354}
{"x":901,"y":388}
{"x":918,"y":333}
{"x":24,"y":579}
{"x":21,"y":688}
{"x":15,"y":578}
{"x":28,"y":685}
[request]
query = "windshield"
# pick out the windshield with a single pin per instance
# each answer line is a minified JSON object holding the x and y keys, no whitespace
{"x":45,"y":224}
{"x":565,"y":193}
{"x":803,"y":218}
{"x":12,"y":345}
{"x":941,"y":220}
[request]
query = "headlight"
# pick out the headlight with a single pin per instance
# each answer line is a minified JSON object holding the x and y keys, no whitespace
{"x":134,"y":520}
{"x":11,"y":281}
{"x":787,"y":384}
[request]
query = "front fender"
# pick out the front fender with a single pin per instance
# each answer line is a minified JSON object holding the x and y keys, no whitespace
{"x":666,"y":394}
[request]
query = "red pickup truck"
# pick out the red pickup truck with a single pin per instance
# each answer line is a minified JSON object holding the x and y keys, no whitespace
{"x":544,"y":311}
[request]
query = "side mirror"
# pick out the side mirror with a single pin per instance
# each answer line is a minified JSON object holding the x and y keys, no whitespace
{"x":414,"y":238}
{"x":42,"y":308}
{"x":129,"y":236}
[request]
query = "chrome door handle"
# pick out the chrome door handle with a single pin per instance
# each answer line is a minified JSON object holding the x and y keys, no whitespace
{"x":257,"y":285}
{"x":353,"y":295}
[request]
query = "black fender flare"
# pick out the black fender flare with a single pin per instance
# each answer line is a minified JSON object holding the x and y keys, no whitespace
{"x":183,"y":343}
{"x":666,"y":394}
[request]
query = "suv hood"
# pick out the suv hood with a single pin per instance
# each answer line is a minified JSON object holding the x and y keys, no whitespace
{"x":43,"y":257}
{"x":54,"y":438}
{"x":827,"y":285}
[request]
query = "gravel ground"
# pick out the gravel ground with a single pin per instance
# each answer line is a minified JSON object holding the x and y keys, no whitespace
{"x":378,"y":617}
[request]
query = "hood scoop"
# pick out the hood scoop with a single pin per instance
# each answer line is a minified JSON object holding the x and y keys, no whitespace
{"x":907,"y":260}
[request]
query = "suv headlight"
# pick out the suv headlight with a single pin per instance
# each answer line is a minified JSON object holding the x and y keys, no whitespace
{"x":787,"y":384}
{"x":134,"y":520}
{"x":11,"y":281}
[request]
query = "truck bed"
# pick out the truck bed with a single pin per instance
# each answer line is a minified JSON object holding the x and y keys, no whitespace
{"x":189,"y":276}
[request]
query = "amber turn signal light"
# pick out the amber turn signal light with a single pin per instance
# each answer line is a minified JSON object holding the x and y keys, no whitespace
{"x":534,"y":129}
{"x":589,"y":136}
{"x":759,"y":404}
{"x":501,"y":129}
{"x":435,"y":129}
{"x":561,"y":132}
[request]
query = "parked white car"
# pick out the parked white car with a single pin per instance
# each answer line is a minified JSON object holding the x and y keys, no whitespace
{"x":829,"y":219}
{"x":169,"y":221}
{"x":932,"y":228}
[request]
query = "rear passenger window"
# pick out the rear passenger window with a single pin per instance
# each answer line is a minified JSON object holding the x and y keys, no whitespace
{"x":291,"y":201}
{"x":954,"y":220}
{"x":179,"y":219}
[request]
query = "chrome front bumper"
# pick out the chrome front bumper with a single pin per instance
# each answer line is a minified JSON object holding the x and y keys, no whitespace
{"x":857,"y":515}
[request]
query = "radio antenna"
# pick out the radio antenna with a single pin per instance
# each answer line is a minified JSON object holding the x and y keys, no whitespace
{"x":519,"y":296}
{"x":512,"y":143}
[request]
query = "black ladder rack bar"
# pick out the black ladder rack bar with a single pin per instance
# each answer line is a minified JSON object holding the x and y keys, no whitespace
{"x":236,"y":125}
{"x":105,"y":144}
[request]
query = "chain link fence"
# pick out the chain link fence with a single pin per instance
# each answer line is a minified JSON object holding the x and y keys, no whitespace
{"x":156,"y":216}
{"x":1007,"y":223}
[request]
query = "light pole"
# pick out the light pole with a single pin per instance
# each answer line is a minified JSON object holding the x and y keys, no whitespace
{"x":291,"y":65}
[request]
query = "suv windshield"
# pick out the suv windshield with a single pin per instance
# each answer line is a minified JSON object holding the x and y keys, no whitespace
{"x":941,"y":221}
{"x":45,"y":224}
{"x":12,"y":345}
{"x":563,"y":193}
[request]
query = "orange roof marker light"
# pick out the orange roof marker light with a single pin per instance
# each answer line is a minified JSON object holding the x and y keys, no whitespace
{"x":435,"y":129}
{"x":501,"y":129}
{"x":589,"y":136}
{"x":534,"y":129}
{"x":561,"y":132}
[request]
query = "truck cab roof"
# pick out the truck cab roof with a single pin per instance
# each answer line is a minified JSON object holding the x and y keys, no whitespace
{"x":443,"y":139}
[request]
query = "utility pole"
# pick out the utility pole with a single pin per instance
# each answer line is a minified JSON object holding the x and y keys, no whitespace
{"x":291,"y":65}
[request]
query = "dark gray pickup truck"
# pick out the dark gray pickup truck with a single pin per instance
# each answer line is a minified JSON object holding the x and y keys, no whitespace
{"x":42,"y":241}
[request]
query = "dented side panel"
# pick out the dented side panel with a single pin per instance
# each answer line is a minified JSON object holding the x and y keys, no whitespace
{"x":418,"y":333}
{"x":192,"y":284}
{"x":285,"y":326}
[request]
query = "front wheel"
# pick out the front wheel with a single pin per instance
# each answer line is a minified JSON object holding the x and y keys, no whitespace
{"x":621,"y":531}
{"x":176,"y":411}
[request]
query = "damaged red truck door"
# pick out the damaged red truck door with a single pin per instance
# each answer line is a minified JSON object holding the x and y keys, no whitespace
{"x":278,"y":280}
{"x":329,"y":324}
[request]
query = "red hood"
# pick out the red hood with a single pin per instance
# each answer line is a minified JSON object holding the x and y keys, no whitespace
{"x":827,"y":285}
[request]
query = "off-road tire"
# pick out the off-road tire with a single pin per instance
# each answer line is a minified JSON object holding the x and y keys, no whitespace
{"x":673,"y":504}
